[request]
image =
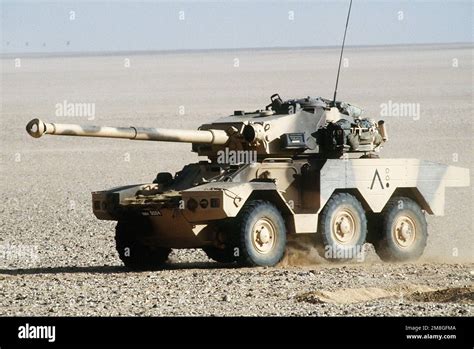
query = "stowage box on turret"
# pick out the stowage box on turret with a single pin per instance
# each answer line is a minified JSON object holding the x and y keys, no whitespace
{"x":300,"y":166}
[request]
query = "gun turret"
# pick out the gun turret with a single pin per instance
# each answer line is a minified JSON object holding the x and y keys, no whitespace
{"x":285,"y":129}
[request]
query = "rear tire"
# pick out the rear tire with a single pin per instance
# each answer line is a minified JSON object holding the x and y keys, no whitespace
{"x":133,"y":249}
{"x":403,"y":231}
{"x":262,"y":234}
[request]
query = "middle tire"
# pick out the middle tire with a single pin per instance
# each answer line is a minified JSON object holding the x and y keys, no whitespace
{"x":262,"y":234}
{"x":342,"y":228}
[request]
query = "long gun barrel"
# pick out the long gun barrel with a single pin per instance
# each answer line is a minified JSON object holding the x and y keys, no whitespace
{"x":36,"y":128}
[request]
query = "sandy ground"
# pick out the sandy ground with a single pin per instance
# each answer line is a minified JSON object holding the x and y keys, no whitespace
{"x":57,"y":259}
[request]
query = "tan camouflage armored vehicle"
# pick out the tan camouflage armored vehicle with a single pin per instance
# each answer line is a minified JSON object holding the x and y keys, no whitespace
{"x":300,"y":166}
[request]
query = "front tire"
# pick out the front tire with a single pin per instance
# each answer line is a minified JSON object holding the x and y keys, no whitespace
{"x":262,"y":234}
{"x":403,"y":231}
{"x":342,"y":228}
{"x":133,"y":248}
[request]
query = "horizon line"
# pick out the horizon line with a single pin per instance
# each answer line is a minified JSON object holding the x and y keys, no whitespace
{"x":208,"y":50}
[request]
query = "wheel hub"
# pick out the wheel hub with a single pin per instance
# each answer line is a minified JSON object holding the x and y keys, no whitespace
{"x":263,"y":236}
{"x":404,"y":231}
{"x":344,"y":226}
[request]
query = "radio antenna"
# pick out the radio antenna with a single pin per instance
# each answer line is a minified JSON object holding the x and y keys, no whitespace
{"x":342,"y":51}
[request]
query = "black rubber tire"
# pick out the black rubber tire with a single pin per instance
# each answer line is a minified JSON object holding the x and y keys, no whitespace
{"x":130,"y":237}
{"x":247,"y":254}
{"x":327,"y":244}
{"x":221,"y":255}
{"x":386,"y":246}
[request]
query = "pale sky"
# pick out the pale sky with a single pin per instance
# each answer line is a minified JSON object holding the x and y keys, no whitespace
{"x":98,"y":26}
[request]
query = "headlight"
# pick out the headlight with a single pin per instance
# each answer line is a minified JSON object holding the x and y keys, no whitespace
{"x":192,"y":204}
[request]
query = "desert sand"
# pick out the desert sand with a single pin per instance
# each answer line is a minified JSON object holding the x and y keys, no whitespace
{"x":45,"y":202}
